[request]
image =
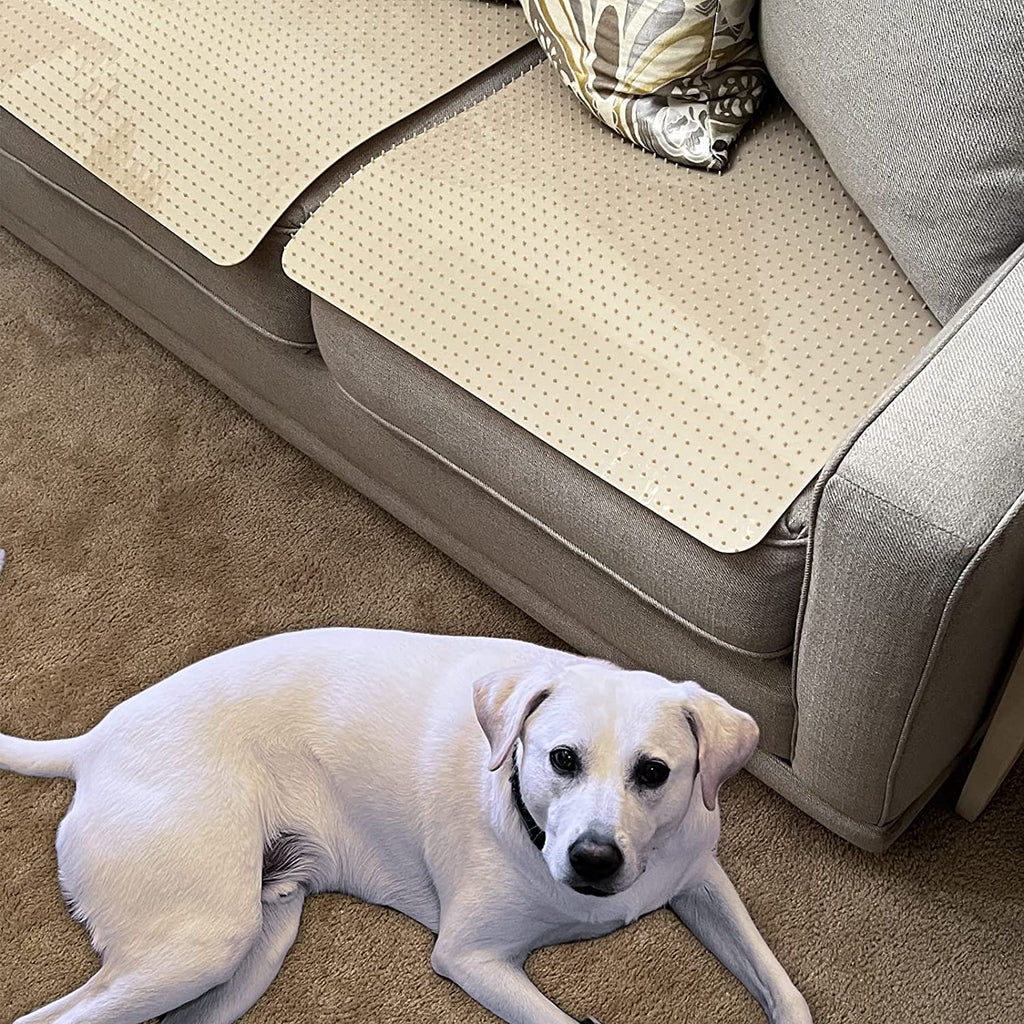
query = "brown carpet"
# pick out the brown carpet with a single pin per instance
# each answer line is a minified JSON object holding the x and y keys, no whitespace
{"x":149,"y":522}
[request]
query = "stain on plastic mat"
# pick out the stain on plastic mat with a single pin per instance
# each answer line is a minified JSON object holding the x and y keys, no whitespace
{"x":213,"y":115}
{"x":702,"y":342}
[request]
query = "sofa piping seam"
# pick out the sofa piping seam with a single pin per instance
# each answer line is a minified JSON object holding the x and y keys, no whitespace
{"x":920,"y":517}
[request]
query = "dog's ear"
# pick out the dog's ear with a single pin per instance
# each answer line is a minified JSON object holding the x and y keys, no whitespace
{"x":726,"y":737}
{"x":504,"y":700}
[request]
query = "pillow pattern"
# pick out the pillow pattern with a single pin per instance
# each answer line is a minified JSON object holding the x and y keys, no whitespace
{"x":678,"y":77}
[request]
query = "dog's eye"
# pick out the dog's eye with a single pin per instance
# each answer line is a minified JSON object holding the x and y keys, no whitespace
{"x":565,"y":760}
{"x":651,"y":774}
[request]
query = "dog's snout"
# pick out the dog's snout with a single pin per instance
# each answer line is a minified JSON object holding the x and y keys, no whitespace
{"x":595,"y":858}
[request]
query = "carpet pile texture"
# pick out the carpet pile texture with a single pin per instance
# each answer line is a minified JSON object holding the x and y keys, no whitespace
{"x":149,"y":522}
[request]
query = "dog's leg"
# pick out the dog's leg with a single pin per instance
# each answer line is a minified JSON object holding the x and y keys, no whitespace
{"x":714,"y":912}
{"x":122,"y":995}
{"x":227,"y":1002}
{"x":169,"y":927}
{"x":48,"y":1012}
{"x":52,"y":1011}
{"x":497,"y":981}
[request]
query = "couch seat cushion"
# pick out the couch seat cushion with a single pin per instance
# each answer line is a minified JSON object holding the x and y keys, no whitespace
{"x":744,"y":602}
{"x":701,"y":342}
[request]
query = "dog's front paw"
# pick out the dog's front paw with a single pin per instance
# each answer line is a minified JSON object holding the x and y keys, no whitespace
{"x":794,"y":1011}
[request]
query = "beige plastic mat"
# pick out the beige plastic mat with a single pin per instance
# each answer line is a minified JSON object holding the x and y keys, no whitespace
{"x":701,"y":342}
{"x":213,"y":115}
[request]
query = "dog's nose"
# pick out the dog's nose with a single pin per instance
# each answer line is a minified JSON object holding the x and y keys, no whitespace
{"x":594,"y":858}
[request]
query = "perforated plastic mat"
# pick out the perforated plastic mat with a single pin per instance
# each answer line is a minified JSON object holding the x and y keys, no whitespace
{"x":213,"y":115}
{"x":701,"y":342}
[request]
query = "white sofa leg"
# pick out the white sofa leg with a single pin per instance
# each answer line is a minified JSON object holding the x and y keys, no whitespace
{"x":1002,"y":745}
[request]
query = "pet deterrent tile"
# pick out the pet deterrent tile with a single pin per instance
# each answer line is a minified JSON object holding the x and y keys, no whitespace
{"x":701,"y":342}
{"x":213,"y":115}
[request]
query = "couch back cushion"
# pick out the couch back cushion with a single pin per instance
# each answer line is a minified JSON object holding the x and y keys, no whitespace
{"x":919,"y":109}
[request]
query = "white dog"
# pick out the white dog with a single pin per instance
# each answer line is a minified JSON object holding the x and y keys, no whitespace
{"x":209,"y":806}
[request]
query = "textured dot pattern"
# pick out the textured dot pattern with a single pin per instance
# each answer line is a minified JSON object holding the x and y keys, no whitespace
{"x":701,"y":342}
{"x":213,"y":115}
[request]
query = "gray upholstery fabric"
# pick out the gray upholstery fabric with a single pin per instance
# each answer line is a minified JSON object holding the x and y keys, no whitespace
{"x":295,"y":394}
{"x":745,"y":601}
{"x":919,"y":110}
{"x":256,"y":290}
{"x":917,"y":568}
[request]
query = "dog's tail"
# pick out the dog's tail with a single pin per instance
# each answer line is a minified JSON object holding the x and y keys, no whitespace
{"x":48,"y":758}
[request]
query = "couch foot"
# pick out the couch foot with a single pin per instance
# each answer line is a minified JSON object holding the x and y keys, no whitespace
{"x":1002,"y":745}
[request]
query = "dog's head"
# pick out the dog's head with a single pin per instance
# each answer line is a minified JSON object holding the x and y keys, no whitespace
{"x":611,"y":760}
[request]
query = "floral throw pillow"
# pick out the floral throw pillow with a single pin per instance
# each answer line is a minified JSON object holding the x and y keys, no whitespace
{"x":678,"y":77}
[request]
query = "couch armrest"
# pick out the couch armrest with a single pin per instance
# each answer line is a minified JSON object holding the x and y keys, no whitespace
{"x":916,"y":567}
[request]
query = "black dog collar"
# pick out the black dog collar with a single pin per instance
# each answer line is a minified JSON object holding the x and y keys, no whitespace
{"x":533,"y":830}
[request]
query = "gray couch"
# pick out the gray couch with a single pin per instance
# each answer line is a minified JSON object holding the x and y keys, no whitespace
{"x":870,"y":631}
